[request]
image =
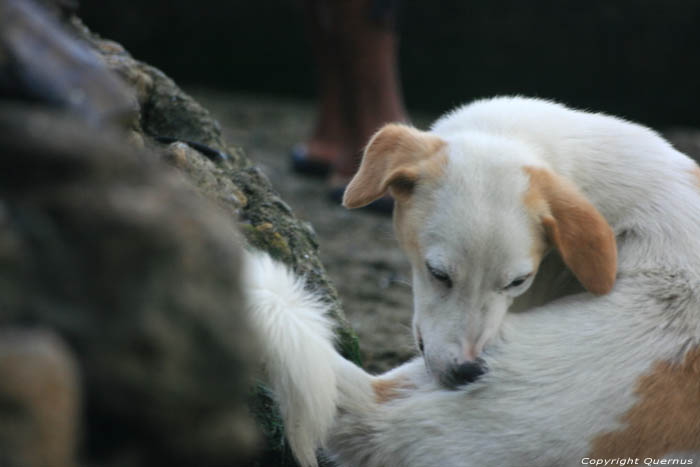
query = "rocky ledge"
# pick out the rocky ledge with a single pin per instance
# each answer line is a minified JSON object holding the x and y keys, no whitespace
{"x":122,"y":214}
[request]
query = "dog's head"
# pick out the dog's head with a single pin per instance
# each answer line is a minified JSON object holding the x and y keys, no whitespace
{"x":476,"y":214}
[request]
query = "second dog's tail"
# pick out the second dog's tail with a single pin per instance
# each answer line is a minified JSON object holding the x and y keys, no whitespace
{"x":308,"y":376}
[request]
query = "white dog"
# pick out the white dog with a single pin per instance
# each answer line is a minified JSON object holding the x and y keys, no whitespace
{"x":600,"y":354}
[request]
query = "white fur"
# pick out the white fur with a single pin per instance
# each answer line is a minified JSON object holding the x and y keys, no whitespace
{"x":474,"y":225}
{"x":297,"y":351}
{"x":561,"y":372}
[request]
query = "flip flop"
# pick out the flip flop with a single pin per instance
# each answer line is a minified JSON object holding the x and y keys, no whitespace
{"x":305,"y":164}
{"x":383,"y":205}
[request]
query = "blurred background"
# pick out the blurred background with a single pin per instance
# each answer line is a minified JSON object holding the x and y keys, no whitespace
{"x":634,"y":58}
{"x":252,"y":64}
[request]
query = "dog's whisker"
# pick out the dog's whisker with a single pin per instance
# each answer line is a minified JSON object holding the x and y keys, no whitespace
{"x":402,"y":282}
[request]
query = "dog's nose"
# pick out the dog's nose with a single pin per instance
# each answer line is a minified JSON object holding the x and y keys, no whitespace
{"x":463,"y":373}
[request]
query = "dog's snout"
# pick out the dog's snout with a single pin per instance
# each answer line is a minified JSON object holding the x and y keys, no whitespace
{"x":467,"y":372}
{"x":463,"y":373}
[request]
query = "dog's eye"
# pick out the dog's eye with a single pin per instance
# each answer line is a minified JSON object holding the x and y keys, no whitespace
{"x":518,"y":281}
{"x":440,"y":276}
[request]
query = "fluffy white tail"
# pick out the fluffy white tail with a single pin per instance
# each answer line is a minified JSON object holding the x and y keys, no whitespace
{"x":301,"y":362}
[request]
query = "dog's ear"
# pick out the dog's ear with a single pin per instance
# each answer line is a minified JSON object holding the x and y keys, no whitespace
{"x":395,"y":159}
{"x":577,"y":230}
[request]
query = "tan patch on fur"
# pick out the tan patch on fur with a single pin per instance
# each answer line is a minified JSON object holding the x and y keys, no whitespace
{"x":574,"y":226}
{"x":696,"y":173}
{"x":396,"y":158}
{"x":409,"y":219}
{"x":405,"y":228}
{"x":537,"y":207}
{"x":386,"y":390}
{"x":666,"y":419}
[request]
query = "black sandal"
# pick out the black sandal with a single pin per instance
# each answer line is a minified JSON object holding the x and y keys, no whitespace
{"x":305,"y":164}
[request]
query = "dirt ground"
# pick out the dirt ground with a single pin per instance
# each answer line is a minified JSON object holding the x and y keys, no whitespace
{"x":357,"y":247}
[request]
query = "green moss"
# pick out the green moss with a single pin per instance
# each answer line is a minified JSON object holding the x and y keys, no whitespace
{"x":264,"y":237}
{"x":266,"y":413}
{"x":348,"y":344}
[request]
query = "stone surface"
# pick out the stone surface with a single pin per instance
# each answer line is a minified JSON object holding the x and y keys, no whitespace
{"x":235,"y":184}
{"x":357,"y":247}
{"x":134,"y":264}
{"x":39,"y":61}
{"x":138,"y":273}
{"x":39,"y":400}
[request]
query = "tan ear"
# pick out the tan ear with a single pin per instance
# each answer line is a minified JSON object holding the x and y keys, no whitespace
{"x":574,"y":226}
{"x":396,"y":157}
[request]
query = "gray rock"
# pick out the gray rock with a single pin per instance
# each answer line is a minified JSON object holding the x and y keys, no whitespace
{"x":134,"y":264}
{"x":39,"y":400}
{"x":139,"y":275}
{"x":235,"y":184}
{"x":40,"y":61}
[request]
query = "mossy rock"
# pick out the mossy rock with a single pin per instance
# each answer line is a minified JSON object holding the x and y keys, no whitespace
{"x":238,"y":187}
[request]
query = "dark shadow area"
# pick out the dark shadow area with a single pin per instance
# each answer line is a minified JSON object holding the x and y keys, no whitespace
{"x":632,"y":58}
